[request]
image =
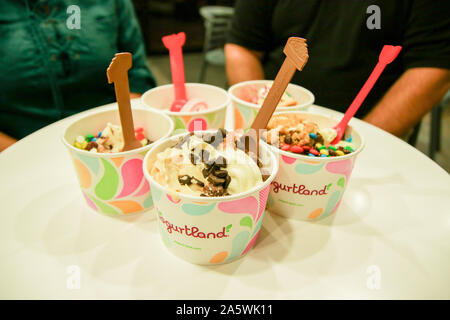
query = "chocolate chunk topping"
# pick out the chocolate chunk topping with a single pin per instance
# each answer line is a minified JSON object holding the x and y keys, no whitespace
{"x":199,"y":154}
{"x":206,"y":171}
{"x":227,"y":182}
{"x":188,"y":180}
{"x":91,"y":145}
{"x":204,"y":155}
{"x":319,"y":138}
{"x":221,"y":162}
{"x":197,"y":182}
{"x":221,"y":173}
{"x":194,"y":158}
{"x":288,"y":139}
{"x":213,"y":191}
{"x":244,"y":143}
{"x":185,"y":179}
{"x":223,"y":132}
{"x":265,"y":176}
{"x":215,"y":138}
{"x":208,"y":137}
{"x":259,"y":163}
{"x":210,"y":163}
{"x":218,"y":137}
{"x":216,"y":181}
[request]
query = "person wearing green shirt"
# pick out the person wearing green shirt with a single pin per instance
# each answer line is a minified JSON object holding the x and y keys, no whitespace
{"x":54,"y":56}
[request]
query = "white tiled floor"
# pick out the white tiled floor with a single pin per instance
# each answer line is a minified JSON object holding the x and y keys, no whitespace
{"x":160,"y":66}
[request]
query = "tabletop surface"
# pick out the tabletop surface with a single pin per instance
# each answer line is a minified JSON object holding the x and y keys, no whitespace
{"x":390,"y":238}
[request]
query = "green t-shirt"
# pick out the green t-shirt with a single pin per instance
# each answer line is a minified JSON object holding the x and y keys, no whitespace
{"x":343,"y":50}
{"x":49,"y":71}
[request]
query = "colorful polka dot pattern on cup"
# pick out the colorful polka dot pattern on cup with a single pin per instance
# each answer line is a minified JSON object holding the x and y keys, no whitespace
{"x":210,"y":231}
{"x":309,"y":190}
{"x":206,"y":121}
{"x":113,"y":185}
{"x":310,"y":187}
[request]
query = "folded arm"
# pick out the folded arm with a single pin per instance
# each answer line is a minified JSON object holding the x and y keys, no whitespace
{"x":415,"y":93}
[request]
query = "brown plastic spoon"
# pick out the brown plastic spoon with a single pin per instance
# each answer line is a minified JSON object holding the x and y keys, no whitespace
{"x":296,"y":51}
{"x":117,"y":73}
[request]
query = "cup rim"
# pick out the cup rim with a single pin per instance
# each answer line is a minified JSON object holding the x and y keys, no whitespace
{"x":191,"y":113}
{"x":115,"y":154}
{"x":310,"y":101}
{"x":318,"y":159}
{"x":274,"y":160}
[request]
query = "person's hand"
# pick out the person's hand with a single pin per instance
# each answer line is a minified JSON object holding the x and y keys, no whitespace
{"x":6,"y":141}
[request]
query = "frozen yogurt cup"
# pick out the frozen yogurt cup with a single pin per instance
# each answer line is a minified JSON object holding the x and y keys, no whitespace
{"x":245,"y":111}
{"x":209,"y":230}
{"x":113,"y":183}
{"x":212,"y":117}
{"x":311,"y":187}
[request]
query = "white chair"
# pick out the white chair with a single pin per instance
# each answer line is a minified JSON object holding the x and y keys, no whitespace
{"x":436,"y":123}
{"x":217,"y":21}
{"x":435,"y":128}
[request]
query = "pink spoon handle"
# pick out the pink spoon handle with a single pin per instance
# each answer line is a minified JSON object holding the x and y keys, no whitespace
{"x":387,"y":55}
{"x":174,"y":44}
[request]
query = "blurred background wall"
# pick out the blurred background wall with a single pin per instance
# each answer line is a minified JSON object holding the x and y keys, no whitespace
{"x":162,"y":17}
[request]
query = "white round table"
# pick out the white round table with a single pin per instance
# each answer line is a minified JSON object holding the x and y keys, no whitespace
{"x":390,"y":237}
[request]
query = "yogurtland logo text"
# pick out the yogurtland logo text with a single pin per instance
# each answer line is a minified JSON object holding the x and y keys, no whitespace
{"x":194,"y":231}
{"x":300,"y":189}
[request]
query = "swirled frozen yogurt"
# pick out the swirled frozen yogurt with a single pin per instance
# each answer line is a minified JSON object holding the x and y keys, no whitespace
{"x":206,"y":164}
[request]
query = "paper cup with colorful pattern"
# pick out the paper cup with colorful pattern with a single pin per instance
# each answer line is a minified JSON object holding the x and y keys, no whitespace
{"x":113,"y":183}
{"x":209,"y":230}
{"x":245,"y":112}
{"x":311,"y":188}
{"x":161,"y":98}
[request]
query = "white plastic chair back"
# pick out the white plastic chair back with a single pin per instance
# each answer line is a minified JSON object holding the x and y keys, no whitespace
{"x":217,"y":20}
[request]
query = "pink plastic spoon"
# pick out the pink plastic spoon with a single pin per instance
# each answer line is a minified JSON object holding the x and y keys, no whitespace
{"x":174,"y":43}
{"x":387,"y":55}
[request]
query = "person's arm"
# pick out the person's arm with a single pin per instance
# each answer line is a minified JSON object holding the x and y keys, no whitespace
{"x":426,"y":59}
{"x":242,"y":64}
{"x":248,"y":40}
{"x":130,"y":40}
{"x":6,"y":141}
{"x":415,"y":93}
